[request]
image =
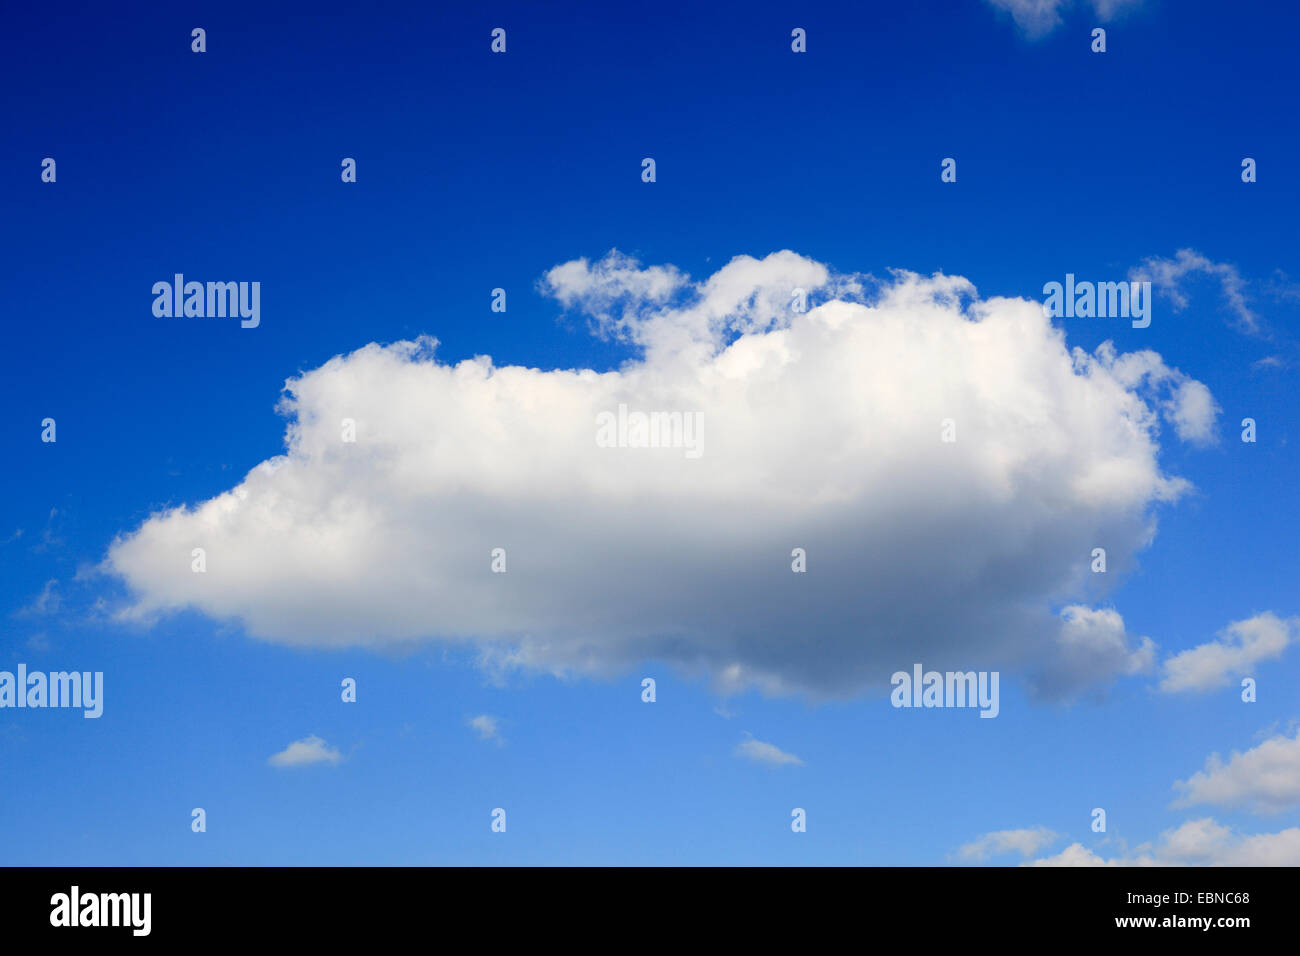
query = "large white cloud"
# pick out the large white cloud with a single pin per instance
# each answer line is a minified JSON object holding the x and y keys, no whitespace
{"x":821,"y":430}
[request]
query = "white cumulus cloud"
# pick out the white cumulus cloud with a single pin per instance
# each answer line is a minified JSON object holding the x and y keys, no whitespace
{"x":821,"y":430}
{"x":1241,"y":646}
{"x":1265,"y":779}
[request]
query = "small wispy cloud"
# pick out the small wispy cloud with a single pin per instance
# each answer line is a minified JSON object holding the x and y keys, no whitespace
{"x":47,"y":602}
{"x":1268,"y":361}
{"x":304,"y":752}
{"x":1037,"y":18}
{"x":1168,"y":277}
{"x":487,"y":727}
{"x":1026,"y":842}
{"x":50,"y":533}
{"x":764,"y":753}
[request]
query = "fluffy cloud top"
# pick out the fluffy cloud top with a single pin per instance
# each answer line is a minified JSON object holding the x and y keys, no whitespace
{"x":300,"y":753}
{"x":1241,"y":646}
{"x":1265,"y":779}
{"x":821,"y":430}
{"x":1092,"y":647}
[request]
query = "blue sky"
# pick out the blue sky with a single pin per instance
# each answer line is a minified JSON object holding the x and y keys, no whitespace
{"x":479,"y":171}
